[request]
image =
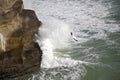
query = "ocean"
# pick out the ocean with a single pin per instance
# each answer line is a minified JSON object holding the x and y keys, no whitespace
{"x":91,"y":52}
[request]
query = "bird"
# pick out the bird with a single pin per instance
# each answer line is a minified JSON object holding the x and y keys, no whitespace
{"x":73,"y":36}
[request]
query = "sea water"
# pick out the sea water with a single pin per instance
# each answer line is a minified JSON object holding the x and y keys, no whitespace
{"x":94,"y":55}
{"x":2,"y":42}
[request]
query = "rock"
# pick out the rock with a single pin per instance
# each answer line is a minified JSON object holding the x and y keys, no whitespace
{"x":19,"y":54}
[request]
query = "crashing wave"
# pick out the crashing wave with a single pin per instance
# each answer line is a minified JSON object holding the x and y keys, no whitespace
{"x":2,"y":42}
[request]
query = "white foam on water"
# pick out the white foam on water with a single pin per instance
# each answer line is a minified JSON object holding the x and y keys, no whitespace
{"x":27,"y":4}
{"x":2,"y":42}
{"x":81,"y":14}
{"x":86,"y":20}
{"x":54,"y":34}
{"x":61,"y":73}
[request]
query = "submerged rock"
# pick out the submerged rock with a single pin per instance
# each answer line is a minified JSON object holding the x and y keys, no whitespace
{"x":19,"y":54}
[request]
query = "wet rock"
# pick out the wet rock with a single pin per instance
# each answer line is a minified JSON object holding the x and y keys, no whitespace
{"x":19,"y":54}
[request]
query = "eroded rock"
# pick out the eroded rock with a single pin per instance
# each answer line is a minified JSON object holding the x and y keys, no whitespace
{"x":19,"y":53}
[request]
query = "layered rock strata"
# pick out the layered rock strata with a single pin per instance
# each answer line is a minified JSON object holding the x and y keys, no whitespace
{"x":19,"y":53}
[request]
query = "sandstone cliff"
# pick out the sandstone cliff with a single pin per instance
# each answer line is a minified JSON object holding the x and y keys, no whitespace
{"x":19,"y":53}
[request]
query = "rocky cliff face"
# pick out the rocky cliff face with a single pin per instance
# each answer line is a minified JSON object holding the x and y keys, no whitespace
{"x":19,"y":53}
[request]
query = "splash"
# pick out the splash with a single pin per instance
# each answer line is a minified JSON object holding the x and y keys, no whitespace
{"x":54,"y":34}
{"x":87,"y":21}
{"x":2,"y":41}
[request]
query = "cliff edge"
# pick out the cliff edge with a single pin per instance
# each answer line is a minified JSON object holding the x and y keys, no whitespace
{"x":19,"y":54}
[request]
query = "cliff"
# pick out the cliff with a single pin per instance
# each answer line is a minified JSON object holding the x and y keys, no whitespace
{"x":19,"y":54}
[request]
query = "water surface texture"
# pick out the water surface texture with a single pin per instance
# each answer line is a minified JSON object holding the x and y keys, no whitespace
{"x":92,"y":52}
